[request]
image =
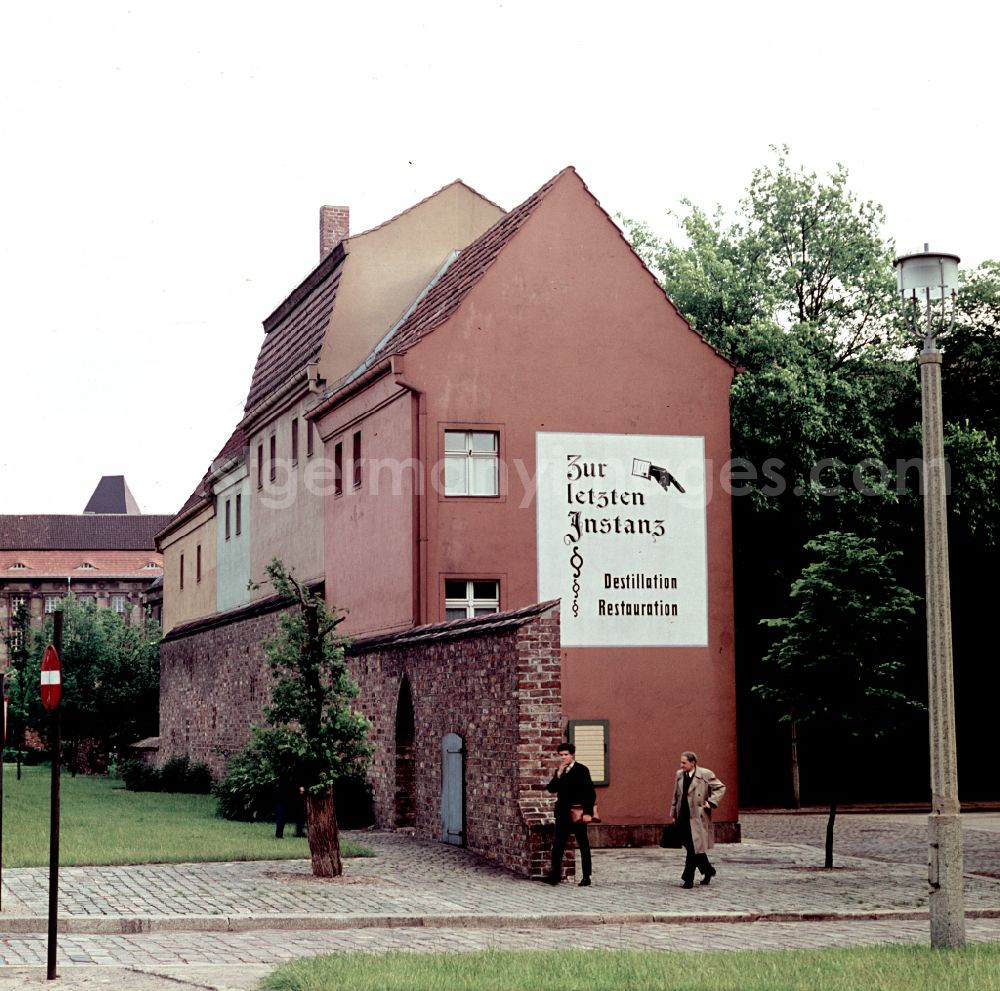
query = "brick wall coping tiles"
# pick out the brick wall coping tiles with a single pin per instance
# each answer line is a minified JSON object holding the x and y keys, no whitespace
{"x":259,"y":608}
{"x":453,"y":629}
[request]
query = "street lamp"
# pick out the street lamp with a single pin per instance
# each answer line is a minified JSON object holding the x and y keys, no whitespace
{"x":928,"y":282}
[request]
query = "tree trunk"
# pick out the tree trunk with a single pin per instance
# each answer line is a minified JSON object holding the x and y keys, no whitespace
{"x":829,"y":835}
{"x":796,"y":789}
{"x":324,"y":836}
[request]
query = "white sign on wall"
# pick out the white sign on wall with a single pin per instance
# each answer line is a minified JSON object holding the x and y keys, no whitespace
{"x":622,"y":538}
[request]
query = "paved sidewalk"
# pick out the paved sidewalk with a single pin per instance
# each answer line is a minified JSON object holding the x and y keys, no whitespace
{"x":225,"y":925}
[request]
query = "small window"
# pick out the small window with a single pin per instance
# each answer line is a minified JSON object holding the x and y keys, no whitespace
{"x":471,"y":462}
{"x":309,"y":439}
{"x":356,"y":460}
{"x":295,"y":440}
{"x":228,"y":519}
{"x":51,"y":603}
{"x":464,"y":599}
{"x":338,"y":469}
{"x":20,"y":566}
{"x":151,"y":566}
{"x":272,"y":468}
{"x":87,"y":600}
{"x":17,"y":602}
{"x":591,"y":739}
{"x":182,"y":571}
{"x":86,"y":566}
{"x":239,"y":513}
{"x":197,"y":563}
{"x":260,"y":466}
{"x":119,"y":603}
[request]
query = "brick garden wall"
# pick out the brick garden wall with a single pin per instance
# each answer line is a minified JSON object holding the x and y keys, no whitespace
{"x":495,"y":681}
{"x":214,"y":684}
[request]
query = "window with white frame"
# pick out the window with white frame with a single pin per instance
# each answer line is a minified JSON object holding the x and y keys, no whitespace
{"x":119,"y":603}
{"x":51,"y":603}
{"x":471,"y":462}
{"x":464,"y":599}
{"x":87,"y":600}
{"x":19,"y":566}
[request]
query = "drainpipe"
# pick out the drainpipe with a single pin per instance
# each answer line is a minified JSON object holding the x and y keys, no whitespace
{"x":419,"y":505}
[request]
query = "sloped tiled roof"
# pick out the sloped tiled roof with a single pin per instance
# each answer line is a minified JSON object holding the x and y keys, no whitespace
{"x":234,"y":446}
{"x":90,"y":532}
{"x":472,"y":263}
{"x":112,"y":495}
{"x":295,"y":331}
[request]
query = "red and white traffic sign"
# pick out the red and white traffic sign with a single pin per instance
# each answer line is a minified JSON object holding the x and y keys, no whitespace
{"x":51,"y":678}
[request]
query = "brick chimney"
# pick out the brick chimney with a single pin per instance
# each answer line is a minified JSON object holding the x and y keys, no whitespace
{"x":334,"y":226}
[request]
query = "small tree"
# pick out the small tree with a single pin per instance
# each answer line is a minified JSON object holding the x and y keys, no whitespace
{"x":312,"y":727}
{"x":837,"y":664}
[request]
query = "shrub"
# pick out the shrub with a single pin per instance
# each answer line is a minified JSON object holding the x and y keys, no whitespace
{"x":139,"y":776}
{"x":248,"y":791}
{"x":179,"y":774}
{"x":28,"y":757}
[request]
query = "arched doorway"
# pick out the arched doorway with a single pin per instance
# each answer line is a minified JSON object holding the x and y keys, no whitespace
{"x":406,"y":782}
{"x":453,"y":790}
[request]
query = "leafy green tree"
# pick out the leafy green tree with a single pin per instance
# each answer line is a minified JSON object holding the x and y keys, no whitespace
{"x":797,"y":290}
{"x":837,"y":661}
{"x":971,"y":368}
{"x":826,"y":252}
{"x":16,"y":684}
{"x":313,"y":731}
{"x":110,"y":678}
{"x":801,"y":251}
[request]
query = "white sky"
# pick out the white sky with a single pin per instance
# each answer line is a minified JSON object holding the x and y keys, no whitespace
{"x":164,"y":164}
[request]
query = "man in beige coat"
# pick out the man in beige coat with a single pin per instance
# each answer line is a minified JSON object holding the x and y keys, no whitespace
{"x":696,"y":792}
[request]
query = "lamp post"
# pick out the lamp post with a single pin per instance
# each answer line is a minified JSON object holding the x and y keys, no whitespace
{"x":928,"y":282}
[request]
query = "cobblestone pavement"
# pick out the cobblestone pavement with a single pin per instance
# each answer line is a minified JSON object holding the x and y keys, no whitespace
{"x":897,"y":837}
{"x":225,"y":925}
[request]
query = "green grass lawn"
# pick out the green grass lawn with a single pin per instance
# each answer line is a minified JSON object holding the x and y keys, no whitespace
{"x":102,"y":823}
{"x":882,"y":968}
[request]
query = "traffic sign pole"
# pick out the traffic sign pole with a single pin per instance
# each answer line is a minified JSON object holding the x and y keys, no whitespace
{"x":51,"y":693}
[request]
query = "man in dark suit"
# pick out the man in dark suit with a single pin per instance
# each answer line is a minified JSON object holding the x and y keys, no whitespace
{"x":575,"y":797}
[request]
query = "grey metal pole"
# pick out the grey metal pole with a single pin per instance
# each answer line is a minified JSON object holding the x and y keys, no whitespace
{"x":944,"y":832}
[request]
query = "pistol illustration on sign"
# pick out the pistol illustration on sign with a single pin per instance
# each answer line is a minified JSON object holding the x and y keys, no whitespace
{"x":643,"y":469}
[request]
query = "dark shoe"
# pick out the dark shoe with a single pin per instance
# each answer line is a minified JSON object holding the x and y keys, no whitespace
{"x":585,"y":883}
{"x":688,"y":884}
{"x":551,"y":879}
{"x":709,"y":874}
